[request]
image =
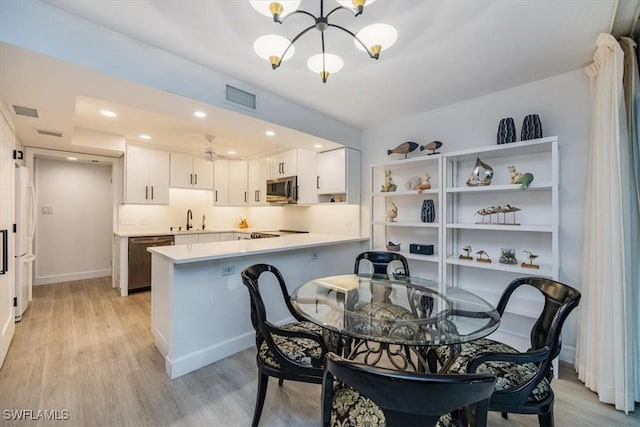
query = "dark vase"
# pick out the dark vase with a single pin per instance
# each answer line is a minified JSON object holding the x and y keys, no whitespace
{"x":506,"y":131}
{"x":531,"y":127}
{"x":428,"y":212}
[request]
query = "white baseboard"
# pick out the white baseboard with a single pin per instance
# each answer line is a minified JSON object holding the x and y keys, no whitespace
{"x":68,"y":277}
{"x":198,"y":359}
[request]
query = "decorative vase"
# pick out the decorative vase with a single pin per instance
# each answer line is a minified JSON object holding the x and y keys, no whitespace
{"x":428,"y":211}
{"x":506,"y":131}
{"x":531,"y":127}
{"x":481,"y":175}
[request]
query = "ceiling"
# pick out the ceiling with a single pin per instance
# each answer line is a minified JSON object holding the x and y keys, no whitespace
{"x":447,"y":52}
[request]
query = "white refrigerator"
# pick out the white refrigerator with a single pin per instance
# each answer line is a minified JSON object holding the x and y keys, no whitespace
{"x":25,"y":230}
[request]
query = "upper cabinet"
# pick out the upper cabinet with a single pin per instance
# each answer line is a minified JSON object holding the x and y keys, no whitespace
{"x":307,"y":161}
{"x":146,"y":176}
{"x":257,"y":188}
{"x":284,"y":164}
{"x":188,"y":171}
{"x":221,"y":182}
{"x":339,"y":176}
{"x":237,"y":180}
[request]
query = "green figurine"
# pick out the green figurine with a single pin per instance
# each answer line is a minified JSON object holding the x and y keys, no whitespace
{"x":525,"y":180}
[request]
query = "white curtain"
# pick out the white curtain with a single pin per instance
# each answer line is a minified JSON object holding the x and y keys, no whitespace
{"x":606,"y":350}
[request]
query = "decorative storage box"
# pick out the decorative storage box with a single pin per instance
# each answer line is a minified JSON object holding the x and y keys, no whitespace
{"x":418,"y":248}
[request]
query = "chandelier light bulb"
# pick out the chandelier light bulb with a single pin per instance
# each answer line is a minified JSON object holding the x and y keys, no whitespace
{"x":376,"y":37}
{"x":355,"y":4}
{"x":271,"y":46}
{"x":270,"y":7}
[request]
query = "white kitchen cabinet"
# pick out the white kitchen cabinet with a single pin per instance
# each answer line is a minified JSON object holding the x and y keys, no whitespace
{"x":221,"y":182}
{"x":284,"y":164}
{"x":184,"y":239}
{"x":258,"y":174}
{"x":188,"y":171}
{"x":237,"y":180}
{"x":146,"y":176}
{"x":307,"y":177}
{"x":225,"y":237}
{"x":208,"y":237}
{"x":339,"y":176}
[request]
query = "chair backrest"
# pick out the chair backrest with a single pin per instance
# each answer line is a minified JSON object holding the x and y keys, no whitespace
{"x":380,"y":261}
{"x":560,"y":300}
{"x":250,"y":276}
{"x":408,"y":398}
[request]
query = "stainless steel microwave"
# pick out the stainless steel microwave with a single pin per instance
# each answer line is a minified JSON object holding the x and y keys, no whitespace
{"x":282,"y":190}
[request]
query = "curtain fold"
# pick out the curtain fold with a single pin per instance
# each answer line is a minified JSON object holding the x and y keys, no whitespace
{"x":606,"y":349}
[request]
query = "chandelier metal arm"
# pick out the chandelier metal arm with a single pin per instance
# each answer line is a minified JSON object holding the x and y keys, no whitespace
{"x":371,"y":55}
{"x":355,"y":13}
{"x":303,"y":32}
{"x":295,"y":12}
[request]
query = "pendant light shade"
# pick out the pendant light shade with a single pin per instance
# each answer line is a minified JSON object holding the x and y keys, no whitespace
{"x":325,"y":64}
{"x":269,"y":47}
{"x":265,"y":6}
{"x":376,"y":37}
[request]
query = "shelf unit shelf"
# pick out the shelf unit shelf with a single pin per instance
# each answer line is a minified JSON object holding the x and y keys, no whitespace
{"x":502,"y":227}
{"x":544,"y":271}
{"x":406,"y":193}
{"x":500,"y":188}
{"x":407,"y":224}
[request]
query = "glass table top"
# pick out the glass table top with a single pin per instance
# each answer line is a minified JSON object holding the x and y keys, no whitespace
{"x":403,"y":310}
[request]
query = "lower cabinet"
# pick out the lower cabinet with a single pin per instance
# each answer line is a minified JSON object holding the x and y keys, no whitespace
{"x":184,"y":239}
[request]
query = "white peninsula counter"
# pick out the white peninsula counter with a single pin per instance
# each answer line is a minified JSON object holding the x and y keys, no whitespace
{"x":200,"y":310}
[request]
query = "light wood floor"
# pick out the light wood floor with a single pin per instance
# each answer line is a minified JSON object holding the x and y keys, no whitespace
{"x":83,"y":348}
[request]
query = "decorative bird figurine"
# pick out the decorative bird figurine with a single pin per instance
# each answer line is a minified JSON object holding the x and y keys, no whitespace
{"x":525,"y":180}
{"x":482,"y":254}
{"x":433,"y":146}
{"x":530,"y":256}
{"x":392,"y":212}
{"x":404,"y":148}
{"x":425,"y":184}
{"x":467,"y":253}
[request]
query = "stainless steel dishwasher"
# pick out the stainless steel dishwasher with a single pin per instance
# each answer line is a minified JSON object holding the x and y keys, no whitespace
{"x":140,"y":260}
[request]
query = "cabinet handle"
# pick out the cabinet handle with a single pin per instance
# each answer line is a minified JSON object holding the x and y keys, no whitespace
{"x":245,"y":197}
{"x":196,"y":179}
{"x":216,"y":195}
{"x":282,"y":168}
{"x":152,"y":192}
{"x":190,"y":178}
{"x":146,"y":192}
{"x":5,"y":251}
{"x":256,"y":196}
{"x":318,"y":182}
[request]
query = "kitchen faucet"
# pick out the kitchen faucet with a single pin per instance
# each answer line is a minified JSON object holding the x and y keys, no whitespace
{"x":189,"y":217}
{"x":204,"y":218}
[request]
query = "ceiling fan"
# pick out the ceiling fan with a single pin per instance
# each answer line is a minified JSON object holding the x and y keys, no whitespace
{"x":209,"y":154}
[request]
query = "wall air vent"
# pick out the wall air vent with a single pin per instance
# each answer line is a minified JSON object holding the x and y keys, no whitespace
{"x":241,"y":98}
{"x":25,"y":111}
{"x":49,"y":133}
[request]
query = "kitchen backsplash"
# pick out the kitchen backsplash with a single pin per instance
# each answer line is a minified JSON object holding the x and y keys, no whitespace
{"x":334,"y":219}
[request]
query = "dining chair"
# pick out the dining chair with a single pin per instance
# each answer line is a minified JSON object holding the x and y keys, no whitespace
{"x":295,"y":351}
{"x":523,"y":383}
{"x":354,"y":394}
{"x":380,"y":261}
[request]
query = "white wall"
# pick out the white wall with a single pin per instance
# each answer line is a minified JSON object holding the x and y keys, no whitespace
{"x":75,"y":241}
{"x":563,"y":105}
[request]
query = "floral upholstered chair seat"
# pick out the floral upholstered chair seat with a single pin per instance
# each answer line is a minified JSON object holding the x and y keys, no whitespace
{"x":300,"y":350}
{"x":508,"y":375}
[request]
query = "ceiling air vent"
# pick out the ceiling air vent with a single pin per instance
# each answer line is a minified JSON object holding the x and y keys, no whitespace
{"x":241,"y":98}
{"x":25,"y":111}
{"x":49,"y":133}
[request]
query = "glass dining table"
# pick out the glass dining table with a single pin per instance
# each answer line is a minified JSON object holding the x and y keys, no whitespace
{"x":403,"y":322}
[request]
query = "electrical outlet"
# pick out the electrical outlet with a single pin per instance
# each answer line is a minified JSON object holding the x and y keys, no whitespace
{"x":228,"y":270}
{"x":314,"y":257}
{"x":47,"y":210}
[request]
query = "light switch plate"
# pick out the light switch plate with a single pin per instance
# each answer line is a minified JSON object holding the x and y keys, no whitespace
{"x":47,"y":210}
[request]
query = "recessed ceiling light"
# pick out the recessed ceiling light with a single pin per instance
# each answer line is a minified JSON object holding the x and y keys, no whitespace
{"x":145,"y":137}
{"x":270,"y":133}
{"x":200,"y":114}
{"x":317,"y":146}
{"x":72,"y":158}
{"x":231,"y":152}
{"x":108,"y":113}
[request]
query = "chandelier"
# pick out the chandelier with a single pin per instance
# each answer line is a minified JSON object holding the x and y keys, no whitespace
{"x":371,"y":39}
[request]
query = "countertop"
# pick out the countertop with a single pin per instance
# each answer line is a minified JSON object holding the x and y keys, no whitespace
{"x":181,"y":232}
{"x":197,"y":252}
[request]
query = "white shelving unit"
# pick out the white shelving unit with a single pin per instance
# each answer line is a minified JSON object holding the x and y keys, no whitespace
{"x":457,"y":225}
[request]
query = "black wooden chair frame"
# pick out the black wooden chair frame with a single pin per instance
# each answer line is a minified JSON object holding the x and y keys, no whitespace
{"x":408,"y":398}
